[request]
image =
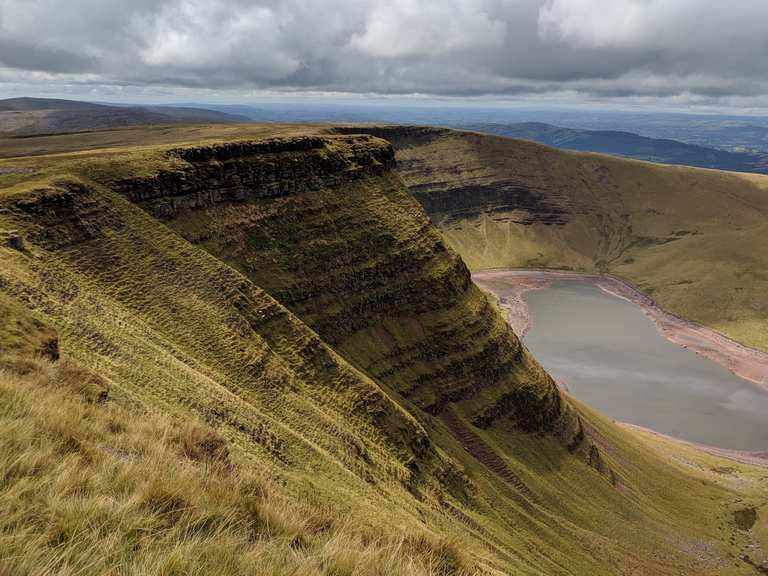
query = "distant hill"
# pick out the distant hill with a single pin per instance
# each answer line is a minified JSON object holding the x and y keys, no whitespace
{"x":28,"y":116}
{"x":630,"y":145}
{"x":722,"y":142}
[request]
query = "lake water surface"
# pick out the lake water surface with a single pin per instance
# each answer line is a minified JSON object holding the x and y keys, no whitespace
{"x":610,"y":355}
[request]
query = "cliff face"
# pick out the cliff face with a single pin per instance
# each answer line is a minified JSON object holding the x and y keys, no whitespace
{"x":275,"y":168}
{"x":458,"y":183}
{"x":326,"y":227}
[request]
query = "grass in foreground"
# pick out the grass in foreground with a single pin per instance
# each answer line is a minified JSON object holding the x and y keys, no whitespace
{"x":90,"y":487}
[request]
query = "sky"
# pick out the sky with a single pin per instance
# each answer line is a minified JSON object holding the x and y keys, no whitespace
{"x":665,"y":54}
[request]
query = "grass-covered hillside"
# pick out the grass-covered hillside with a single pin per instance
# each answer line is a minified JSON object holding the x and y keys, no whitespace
{"x":254,"y":354}
{"x":28,"y":116}
{"x":693,"y":239}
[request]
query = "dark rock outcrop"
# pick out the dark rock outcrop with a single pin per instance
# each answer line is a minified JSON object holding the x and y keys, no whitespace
{"x":243,"y":171}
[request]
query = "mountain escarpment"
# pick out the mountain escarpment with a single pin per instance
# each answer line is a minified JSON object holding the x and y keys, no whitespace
{"x":325,"y":226}
{"x":292,"y":295}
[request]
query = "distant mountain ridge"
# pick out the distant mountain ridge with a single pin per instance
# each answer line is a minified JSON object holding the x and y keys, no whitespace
{"x":29,"y":116}
{"x":690,"y":140}
{"x":630,"y":145}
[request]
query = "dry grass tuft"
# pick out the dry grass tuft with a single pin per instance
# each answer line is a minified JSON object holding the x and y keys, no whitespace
{"x":203,"y":444}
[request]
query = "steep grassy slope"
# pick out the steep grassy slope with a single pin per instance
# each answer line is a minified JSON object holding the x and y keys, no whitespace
{"x":86,"y":490}
{"x":291,"y":295}
{"x":692,"y":239}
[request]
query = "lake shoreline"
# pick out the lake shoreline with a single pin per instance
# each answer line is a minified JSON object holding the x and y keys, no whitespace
{"x":745,"y":362}
{"x":754,"y":458}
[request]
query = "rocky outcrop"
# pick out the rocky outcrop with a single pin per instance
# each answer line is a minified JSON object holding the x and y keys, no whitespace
{"x":325,"y":226}
{"x":399,"y":136}
{"x":64,"y":215}
{"x":243,"y":171}
{"x":524,"y":204}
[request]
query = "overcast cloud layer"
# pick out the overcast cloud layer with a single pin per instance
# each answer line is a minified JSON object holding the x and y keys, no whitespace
{"x":710,"y":52}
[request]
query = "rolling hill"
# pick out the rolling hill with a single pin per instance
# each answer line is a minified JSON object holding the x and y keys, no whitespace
{"x":238,"y":348}
{"x":27,"y":116}
{"x":630,"y":145}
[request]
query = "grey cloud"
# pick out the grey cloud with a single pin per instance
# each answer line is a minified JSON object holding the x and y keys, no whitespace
{"x":27,"y":56}
{"x":612,"y":48}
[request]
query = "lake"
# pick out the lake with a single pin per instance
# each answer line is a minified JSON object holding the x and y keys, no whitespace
{"x":611,"y":356}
